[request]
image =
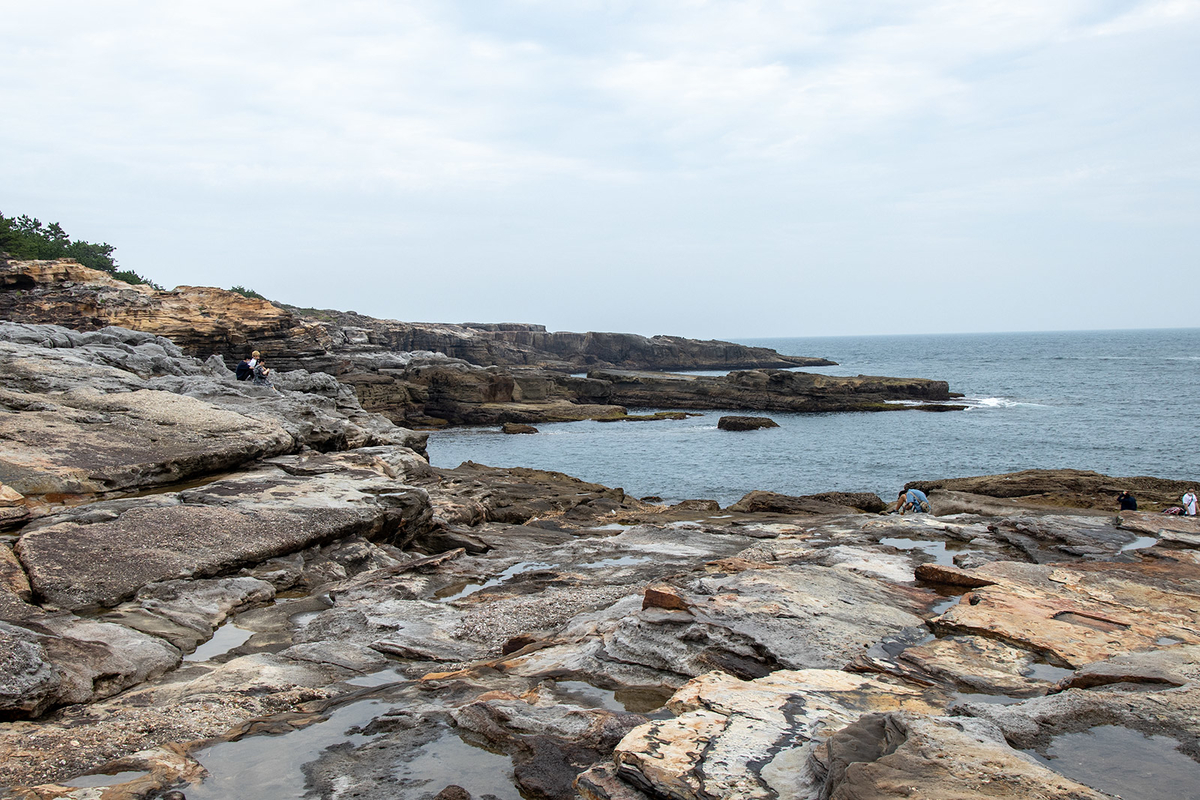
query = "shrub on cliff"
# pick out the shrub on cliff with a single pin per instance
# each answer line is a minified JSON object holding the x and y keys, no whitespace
{"x":244,"y":292}
{"x":26,"y":238}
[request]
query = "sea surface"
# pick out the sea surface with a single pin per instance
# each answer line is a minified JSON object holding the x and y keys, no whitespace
{"x":1119,"y":402}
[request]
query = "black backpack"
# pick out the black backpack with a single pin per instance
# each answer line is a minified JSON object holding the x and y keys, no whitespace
{"x":244,"y":371}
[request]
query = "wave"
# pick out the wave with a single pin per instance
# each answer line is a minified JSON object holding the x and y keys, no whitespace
{"x":998,"y":402}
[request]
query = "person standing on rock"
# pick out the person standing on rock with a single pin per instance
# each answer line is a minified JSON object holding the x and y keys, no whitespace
{"x":1189,"y":503}
{"x":913,"y":500}
{"x":1126,"y":501}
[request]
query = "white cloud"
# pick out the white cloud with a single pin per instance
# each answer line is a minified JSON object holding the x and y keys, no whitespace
{"x":660,"y":139}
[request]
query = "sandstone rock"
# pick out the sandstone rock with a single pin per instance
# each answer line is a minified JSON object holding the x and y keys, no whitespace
{"x":12,"y":575}
{"x":205,"y":320}
{"x":1152,"y":524}
{"x":1081,"y":613}
{"x":745,"y":423}
{"x":902,"y":755}
{"x":754,"y":739}
{"x":105,"y":554}
{"x":10,"y":497}
{"x":950,"y":576}
{"x":979,"y":665}
{"x":516,"y":427}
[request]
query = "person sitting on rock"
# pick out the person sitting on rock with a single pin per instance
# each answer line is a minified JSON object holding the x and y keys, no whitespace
{"x":1189,"y":503}
{"x":1126,"y":501}
{"x":245,"y":370}
{"x":262,"y":375}
{"x":913,"y":500}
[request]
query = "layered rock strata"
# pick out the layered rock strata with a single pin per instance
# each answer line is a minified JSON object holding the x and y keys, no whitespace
{"x":203,"y":321}
{"x":430,"y":375}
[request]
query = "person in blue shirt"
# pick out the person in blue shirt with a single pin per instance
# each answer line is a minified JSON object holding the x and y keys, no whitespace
{"x":913,"y":500}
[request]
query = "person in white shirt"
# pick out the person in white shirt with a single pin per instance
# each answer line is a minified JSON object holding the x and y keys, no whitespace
{"x":1189,"y":503}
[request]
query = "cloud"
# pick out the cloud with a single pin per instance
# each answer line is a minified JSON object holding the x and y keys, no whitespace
{"x":670,"y":142}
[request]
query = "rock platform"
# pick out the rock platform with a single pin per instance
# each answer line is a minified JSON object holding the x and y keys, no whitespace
{"x":196,"y":574}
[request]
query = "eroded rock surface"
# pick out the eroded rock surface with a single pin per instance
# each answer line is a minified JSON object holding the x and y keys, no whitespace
{"x":547,"y":637}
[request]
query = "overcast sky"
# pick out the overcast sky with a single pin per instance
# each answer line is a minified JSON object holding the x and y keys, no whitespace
{"x":708,"y":169}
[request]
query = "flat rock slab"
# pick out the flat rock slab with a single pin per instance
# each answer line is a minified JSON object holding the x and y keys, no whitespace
{"x":104,"y":553}
{"x":89,"y":443}
{"x":751,"y":621}
{"x":77,"y":566}
{"x":1079,"y":613}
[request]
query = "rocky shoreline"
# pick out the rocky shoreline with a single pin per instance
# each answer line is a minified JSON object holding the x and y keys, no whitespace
{"x":212,"y":589}
{"x":432,"y":375}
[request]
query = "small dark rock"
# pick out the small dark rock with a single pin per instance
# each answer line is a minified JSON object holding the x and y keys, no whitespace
{"x":453,"y":792}
{"x":745,"y":423}
{"x":516,"y":643}
{"x":517,"y":427}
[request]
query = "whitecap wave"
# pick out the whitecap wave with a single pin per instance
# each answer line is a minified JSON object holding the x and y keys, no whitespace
{"x":998,"y":402}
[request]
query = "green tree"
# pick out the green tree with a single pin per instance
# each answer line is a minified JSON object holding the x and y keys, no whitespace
{"x":26,"y":238}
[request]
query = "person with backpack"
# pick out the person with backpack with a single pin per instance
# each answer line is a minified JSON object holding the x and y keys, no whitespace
{"x":913,"y":500}
{"x":1189,"y":503}
{"x":245,"y":370}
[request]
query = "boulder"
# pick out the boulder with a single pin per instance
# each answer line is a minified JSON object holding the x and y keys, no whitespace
{"x":745,"y":423}
{"x":516,"y":427}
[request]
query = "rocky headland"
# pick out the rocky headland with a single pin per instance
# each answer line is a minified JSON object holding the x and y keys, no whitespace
{"x":431,"y":375}
{"x":210,"y":589}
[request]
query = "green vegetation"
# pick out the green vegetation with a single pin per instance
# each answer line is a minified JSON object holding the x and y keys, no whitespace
{"x":244,"y":292}
{"x":26,"y":238}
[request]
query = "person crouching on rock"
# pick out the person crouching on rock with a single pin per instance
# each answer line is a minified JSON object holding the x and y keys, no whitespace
{"x":245,"y":369}
{"x":1126,"y":501}
{"x":262,"y":375}
{"x":913,"y":500}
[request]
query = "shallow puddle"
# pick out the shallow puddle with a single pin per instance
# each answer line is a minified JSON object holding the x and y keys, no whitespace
{"x":457,"y":591}
{"x":622,"y":561}
{"x":449,"y":760}
{"x":90,"y":781}
{"x":942,"y":552}
{"x":224,"y":639}
{"x":270,"y":767}
{"x":1140,"y":543}
{"x":1125,"y":763}
{"x":645,"y":700}
{"x":380,"y":678}
{"x":1048,"y":672}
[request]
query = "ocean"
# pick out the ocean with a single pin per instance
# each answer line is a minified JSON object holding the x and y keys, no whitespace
{"x":1119,"y":402}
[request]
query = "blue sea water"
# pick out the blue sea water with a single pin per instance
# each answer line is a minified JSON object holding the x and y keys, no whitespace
{"x":1119,"y":402}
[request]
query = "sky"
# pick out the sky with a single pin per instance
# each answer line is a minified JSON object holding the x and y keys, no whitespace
{"x":703,"y":169}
